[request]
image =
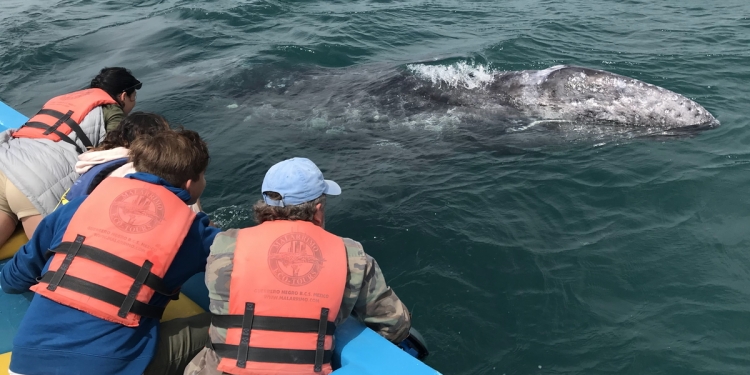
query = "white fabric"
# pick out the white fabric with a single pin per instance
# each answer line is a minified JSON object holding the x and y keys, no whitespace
{"x":42,"y":169}
{"x":89,"y":159}
{"x":127,"y":168}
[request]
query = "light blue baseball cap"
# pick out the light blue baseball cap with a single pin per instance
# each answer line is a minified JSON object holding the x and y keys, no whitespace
{"x":298,"y":180}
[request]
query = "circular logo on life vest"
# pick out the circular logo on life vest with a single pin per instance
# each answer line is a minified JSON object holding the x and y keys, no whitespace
{"x":136,"y":211}
{"x":295,"y":259}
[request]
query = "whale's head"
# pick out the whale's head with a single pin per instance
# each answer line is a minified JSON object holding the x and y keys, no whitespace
{"x":589,"y":96}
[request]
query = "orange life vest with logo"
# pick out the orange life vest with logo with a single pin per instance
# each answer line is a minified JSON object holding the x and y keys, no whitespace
{"x":117,"y":248}
{"x":62,"y":115}
{"x":285,"y":293}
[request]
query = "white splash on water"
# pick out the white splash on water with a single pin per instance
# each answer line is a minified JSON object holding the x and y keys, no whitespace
{"x":385,"y":143}
{"x":431,"y":122}
{"x":458,"y":75}
{"x":234,"y":216}
{"x":538,"y":122}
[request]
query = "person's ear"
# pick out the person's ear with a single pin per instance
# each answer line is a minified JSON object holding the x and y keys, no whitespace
{"x":319,"y":218}
{"x":121,"y":97}
{"x":187,"y":185}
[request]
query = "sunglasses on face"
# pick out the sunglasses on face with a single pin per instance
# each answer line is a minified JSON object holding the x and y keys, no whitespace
{"x":137,"y":86}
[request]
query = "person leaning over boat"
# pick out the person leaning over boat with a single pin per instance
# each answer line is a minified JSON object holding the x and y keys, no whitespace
{"x":292,"y":282}
{"x":110,"y":157}
{"x":36,"y":161}
{"x":117,"y":257}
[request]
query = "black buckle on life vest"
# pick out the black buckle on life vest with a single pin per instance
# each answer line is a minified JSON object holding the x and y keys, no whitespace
{"x":247,"y":325}
{"x":320,"y":345}
{"x":127,"y":304}
{"x":66,"y":263}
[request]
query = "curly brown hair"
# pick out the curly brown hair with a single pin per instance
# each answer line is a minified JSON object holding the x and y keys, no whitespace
{"x":304,"y":211}
{"x":135,"y":125}
{"x":177,"y":156}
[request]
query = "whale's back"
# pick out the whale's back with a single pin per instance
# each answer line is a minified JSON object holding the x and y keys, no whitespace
{"x":586,"y":95}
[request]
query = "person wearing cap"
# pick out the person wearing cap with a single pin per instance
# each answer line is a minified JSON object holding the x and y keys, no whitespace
{"x":279,"y":289}
{"x":37,"y":160}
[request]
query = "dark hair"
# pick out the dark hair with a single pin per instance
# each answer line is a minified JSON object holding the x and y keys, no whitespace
{"x":114,"y":81}
{"x":303,"y":211}
{"x":135,"y":125}
{"x":176,"y":156}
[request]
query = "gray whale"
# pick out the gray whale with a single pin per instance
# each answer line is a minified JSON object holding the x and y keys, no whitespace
{"x":573,"y":101}
{"x":586,"y":95}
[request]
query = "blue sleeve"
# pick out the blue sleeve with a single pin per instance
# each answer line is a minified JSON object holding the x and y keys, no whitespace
{"x":208,"y":233}
{"x":197,"y":244}
{"x":21,"y":271}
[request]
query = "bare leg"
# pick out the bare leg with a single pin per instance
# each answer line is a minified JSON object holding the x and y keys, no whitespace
{"x":7,"y":227}
{"x":21,"y":206}
{"x":30,"y":223}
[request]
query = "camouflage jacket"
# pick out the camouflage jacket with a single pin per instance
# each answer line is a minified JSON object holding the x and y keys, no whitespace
{"x":366,"y":295}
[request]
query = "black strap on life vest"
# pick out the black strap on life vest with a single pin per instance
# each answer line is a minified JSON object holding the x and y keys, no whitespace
{"x":321,"y":343}
{"x":62,"y":118}
{"x":293,"y":356}
{"x":103,"y":294}
{"x":127,"y":303}
{"x":273,"y":323}
{"x":73,"y":250}
{"x":248,"y":322}
{"x":65,"y":118}
{"x":114,"y":262}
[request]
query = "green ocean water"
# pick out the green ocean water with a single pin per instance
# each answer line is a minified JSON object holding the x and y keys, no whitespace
{"x":555,"y":254}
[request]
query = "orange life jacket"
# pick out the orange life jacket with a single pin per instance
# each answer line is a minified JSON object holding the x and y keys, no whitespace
{"x":62,"y":115}
{"x":116,"y":250}
{"x":286,"y":288}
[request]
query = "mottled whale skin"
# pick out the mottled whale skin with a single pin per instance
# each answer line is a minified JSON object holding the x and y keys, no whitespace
{"x":564,"y":102}
{"x":586,"y":95}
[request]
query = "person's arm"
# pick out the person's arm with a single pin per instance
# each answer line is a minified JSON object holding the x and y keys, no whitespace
{"x":21,"y":272}
{"x":219,"y":270}
{"x":208,"y":231}
{"x":218,"y":279}
{"x":112,"y":114}
{"x":377,"y":305}
{"x":197,"y":245}
{"x":197,"y":208}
